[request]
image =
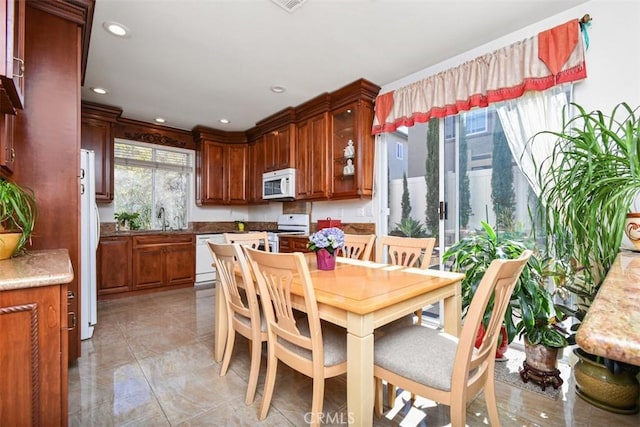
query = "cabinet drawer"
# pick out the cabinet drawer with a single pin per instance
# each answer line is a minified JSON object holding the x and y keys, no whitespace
{"x":162,"y":239}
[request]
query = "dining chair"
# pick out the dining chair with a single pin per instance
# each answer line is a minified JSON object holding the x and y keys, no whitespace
{"x":254,"y":239}
{"x":444,"y":368}
{"x":314,"y":348}
{"x":406,"y":251}
{"x":243,"y":309}
{"x":358,"y":246}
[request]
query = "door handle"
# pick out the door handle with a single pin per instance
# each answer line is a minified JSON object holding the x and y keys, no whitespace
{"x":443,"y":211}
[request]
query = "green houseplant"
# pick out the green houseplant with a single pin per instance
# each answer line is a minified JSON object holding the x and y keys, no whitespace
{"x":127,"y":220}
{"x":588,"y":184}
{"x":18,"y":214}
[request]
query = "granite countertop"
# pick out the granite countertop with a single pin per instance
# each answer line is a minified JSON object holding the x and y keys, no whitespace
{"x":36,"y":268}
{"x":611,"y":327}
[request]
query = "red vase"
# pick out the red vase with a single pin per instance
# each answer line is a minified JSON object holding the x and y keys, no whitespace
{"x":325,"y":260}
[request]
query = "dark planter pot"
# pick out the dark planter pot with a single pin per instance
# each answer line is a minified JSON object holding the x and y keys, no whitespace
{"x":600,"y":387}
{"x":541,"y":365}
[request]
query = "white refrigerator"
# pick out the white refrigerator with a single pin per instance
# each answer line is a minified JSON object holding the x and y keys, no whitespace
{"x":89,"y":236}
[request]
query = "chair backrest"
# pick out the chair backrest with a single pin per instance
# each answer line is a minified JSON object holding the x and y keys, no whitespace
{"x":358,"y":246}
{"x":274,"y":274}
{"x":229,"y":259}
{"x":254,"y":239}
{"x":496,"y":287}
{"x":406,"y":251}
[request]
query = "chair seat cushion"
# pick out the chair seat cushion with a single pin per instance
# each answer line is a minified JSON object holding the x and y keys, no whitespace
{"x":334,"y":342}
{"x":247,"y":321}
{"x":420,"y":353}
{"x":403,"y":322}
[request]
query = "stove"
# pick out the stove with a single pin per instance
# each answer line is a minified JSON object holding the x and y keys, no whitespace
{"x":289,"y":224}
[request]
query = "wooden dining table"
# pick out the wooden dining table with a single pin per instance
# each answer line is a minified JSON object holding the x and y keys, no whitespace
{"x":362,"y":296}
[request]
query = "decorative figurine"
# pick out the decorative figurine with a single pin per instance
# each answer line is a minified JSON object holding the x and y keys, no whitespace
{"x":349,"y":150}
{"x":349,"y":168}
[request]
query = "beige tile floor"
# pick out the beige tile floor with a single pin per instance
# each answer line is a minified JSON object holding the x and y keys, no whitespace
{"x":150,"y":363}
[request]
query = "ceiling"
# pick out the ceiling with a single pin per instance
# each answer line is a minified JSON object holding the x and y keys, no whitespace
{"x":193,"y":62}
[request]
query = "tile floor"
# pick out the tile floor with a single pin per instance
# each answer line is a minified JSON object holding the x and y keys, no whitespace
{"x":150,"y":363}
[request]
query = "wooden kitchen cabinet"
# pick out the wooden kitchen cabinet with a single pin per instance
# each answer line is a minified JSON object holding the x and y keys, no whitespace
{"x":279,"y":135}
{"x":293,"y":243}
{"x":256,"y":169}
{"x":33,"y":342}
{"x":12,"y":69}
{"x":161,"y":260}
{"x":221,"y":167}
{"x":7,"y":150}
{"x":114,"y":265}
{"x":351,"y":122}
{"x":97,"y":134}
{"x":312,"y":146}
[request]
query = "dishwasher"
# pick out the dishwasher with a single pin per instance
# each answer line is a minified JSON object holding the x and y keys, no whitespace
{"x":205,"y":272}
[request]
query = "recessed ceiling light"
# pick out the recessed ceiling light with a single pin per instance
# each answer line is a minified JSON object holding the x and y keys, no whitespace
{"x":116,"y":29}
{"x":160,"y":120}
{"x":224,"y":121}
{"x":99,"y":90}
{"x":278,"y":89}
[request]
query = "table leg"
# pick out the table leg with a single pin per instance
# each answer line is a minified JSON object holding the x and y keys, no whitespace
{"x":360,"y":387}
{"x":220,"y":327}
{"x":453,"y":312}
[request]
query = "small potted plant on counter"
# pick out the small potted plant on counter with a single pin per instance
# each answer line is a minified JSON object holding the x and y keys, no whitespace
{"x":18,"y":214}
{"x":126,"y":221}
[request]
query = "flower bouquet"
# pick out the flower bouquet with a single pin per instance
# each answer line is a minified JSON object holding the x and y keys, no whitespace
{"x":324,"y":243}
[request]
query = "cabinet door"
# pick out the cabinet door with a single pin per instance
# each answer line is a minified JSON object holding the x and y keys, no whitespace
{"x":213,"y":186}
{"x":319,"y":155}
{"x":97,"y":135}
{"x":299,"y":244}
{"x":114,"y":265}
{"x":33,"y":356}
{"x":7,"y":151}
{"x":148,"y":267}
{"x":181,"y":261}
{"x":303,"y":163}
{"x":12,"y":15}
{"x":284,"y":148}
{"x":237,"y":174}
{"x":352,"y":167}
{"x":256,"y":169}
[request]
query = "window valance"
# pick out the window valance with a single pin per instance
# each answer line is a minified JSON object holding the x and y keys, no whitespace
{"x":553,"y":57}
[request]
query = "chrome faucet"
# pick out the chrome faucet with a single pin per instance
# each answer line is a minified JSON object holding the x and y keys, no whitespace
{"x":162,"y":219}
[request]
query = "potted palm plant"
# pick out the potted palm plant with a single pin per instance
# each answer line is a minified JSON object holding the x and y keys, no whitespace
{"x":18,"y":214}
{"x":588,"y":186}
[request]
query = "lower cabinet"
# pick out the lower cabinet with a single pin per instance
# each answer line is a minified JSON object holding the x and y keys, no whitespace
{"x":114,"y":265}
{"x":33,"y":356}
{"x":289,"y":244}
{"x":129,"y":265}
{"x":163,"y":260}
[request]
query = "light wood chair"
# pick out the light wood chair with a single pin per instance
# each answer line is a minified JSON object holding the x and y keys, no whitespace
{"x":358,"y":246}
{"x":315,"y":349}
{"x":446,"y":369}
{"x":406,"y":251}
{"x":243,"y":309}
{"x":253,"y":239}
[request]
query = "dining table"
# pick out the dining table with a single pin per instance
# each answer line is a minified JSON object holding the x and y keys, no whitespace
{"x":362,"y":296}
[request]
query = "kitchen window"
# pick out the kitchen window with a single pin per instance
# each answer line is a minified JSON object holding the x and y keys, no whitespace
{"x":150,"y":177}
{"x":476,"y":121}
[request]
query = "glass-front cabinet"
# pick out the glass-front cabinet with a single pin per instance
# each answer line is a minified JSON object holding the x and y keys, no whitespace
{"x":353,"y":149}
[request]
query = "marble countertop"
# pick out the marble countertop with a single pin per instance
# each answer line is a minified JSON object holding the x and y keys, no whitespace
{"x":611,"y":327}
{"x":36,"y":268}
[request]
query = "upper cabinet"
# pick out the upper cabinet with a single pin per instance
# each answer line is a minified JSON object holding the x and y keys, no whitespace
{"x":257,"y":166}
{"x":279,"y":136}
{"x":352,"y":145}
{"x":221,"y":167}
{"x":97,"y":134}
{"x":12,"y":67}
{"x":312,"y":148}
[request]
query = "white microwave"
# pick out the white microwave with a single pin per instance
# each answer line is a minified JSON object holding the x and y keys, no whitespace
{"x":280,"y":184}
